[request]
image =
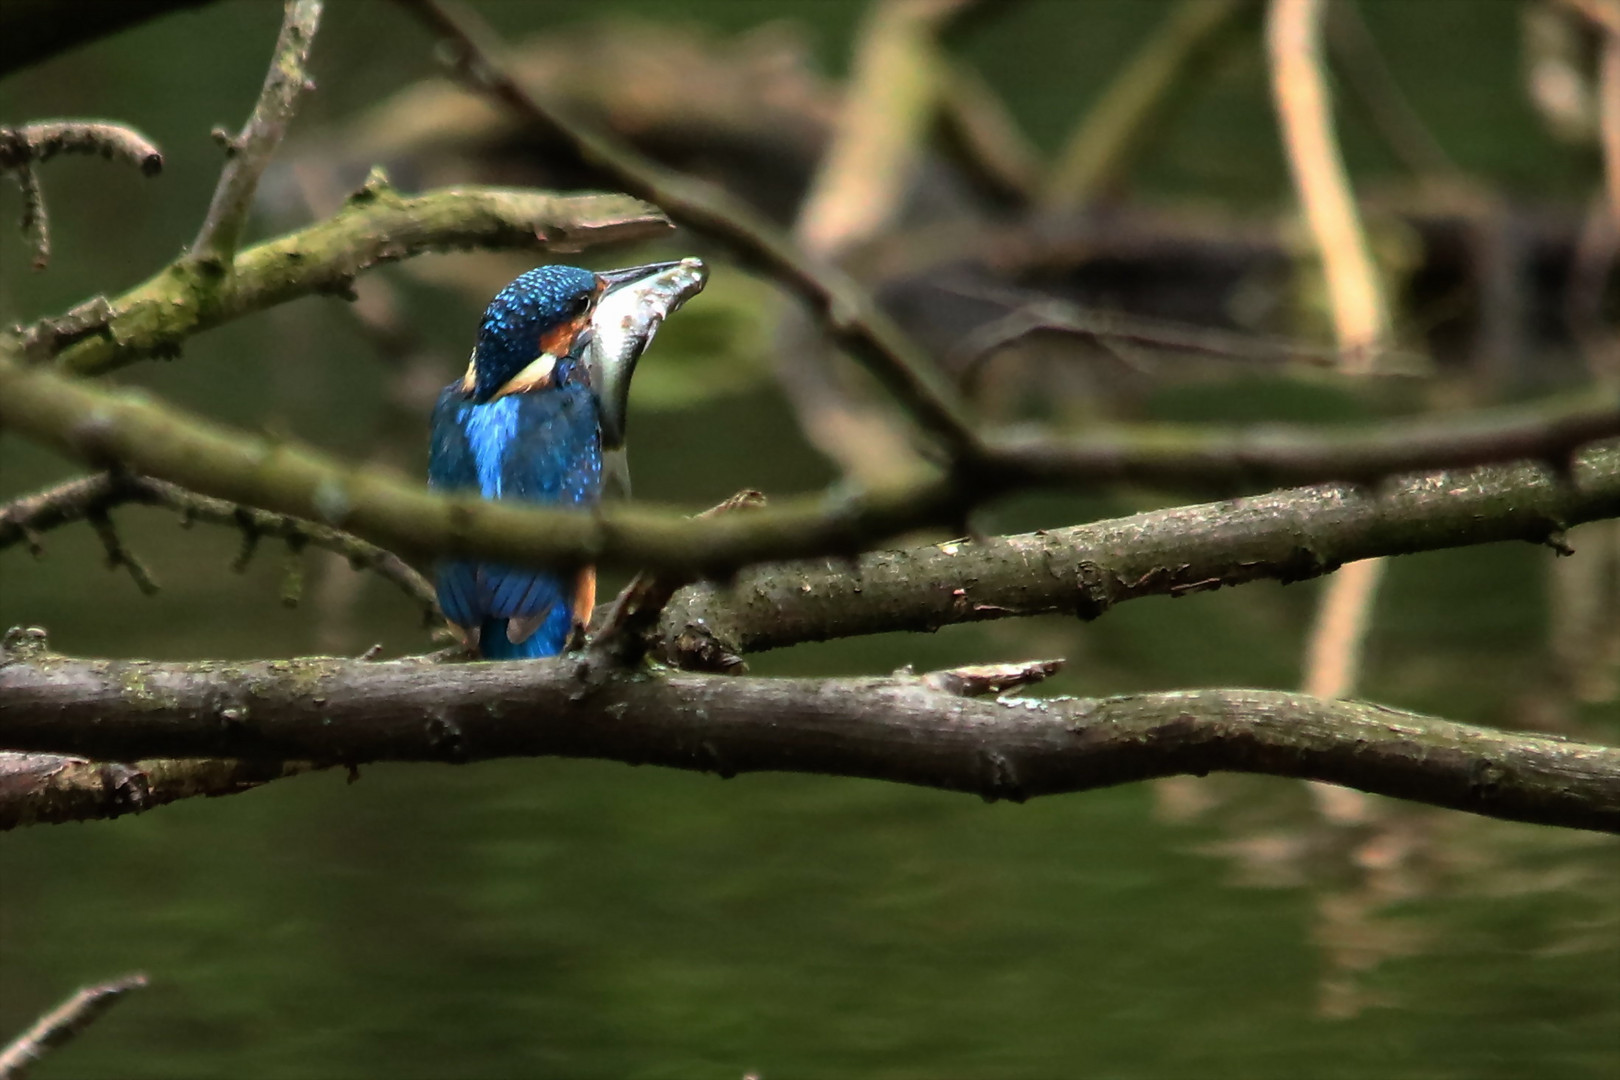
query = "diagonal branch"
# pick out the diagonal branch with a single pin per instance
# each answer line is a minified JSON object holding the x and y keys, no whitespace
{"x":900,"y":728}
{"x":63,"y":1023}
{"x":250,"y":151}
{"x":853,"y":320}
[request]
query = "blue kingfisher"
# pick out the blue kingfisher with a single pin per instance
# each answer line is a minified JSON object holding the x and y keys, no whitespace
{"x":539,"y":417}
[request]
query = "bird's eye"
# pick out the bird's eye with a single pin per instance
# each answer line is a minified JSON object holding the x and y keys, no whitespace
{"x":581,"y":302}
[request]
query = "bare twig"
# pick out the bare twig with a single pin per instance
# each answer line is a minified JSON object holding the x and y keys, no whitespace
{"x":853,"y":320}
{"x":633,"y":615}
{"x":1032,"y":313}
{"x":38,"y":143}
{"x":1299,"y":86}
{"x":36,"y":222}
{"x":985,"y":135}
{"x":896,"y":728}
{"x":89,"y":498}
{"x":63,"y":1023}
{"x":24,"y":148}
{"x":250,"y":151}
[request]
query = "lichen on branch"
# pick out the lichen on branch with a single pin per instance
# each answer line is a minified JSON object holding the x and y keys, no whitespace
{"x":377,"y":225}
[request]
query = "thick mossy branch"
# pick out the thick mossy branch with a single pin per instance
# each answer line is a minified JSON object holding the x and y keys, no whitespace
{"x":130,"y":431}
{"x":378,"y":225}
{"x":906,"y":729}
{"x":1284,"y":536}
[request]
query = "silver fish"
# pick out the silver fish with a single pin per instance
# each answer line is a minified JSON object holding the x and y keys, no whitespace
{"x":627,"y":316}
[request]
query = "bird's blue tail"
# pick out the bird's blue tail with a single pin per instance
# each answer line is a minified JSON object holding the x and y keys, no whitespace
{"x":549,"y":640}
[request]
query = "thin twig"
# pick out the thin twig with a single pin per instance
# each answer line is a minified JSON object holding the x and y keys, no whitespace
{"x":89,"y":498}
{"x":39,"y":142}
{"x":249,"y":152}
{"x":36,"y":222}
{"x":852,"y":318}
{"x":625,"y":633}
{"x":23,"y":148}
{"x":63,"y":1023}
{"x":1299,"y":87}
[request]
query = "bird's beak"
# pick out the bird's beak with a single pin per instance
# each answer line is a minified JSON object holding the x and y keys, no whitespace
{"x":631,"y":304}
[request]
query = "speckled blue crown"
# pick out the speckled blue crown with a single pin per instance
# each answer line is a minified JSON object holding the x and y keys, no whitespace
{"x":509,"y":336}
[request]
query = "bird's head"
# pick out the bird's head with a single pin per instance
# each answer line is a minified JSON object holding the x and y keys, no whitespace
{"x":558,"y":324}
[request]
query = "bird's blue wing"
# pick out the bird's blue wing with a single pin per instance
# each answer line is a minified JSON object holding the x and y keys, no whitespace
{"x":541,"y":447}
{"x":451,"y":468}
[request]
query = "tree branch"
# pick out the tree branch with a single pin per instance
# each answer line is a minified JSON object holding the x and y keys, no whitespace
{"x":853,"y":320}
{"x":1286,"y":536}
{"x":250,"y":151}
{"x":378,"y":225}
{"x":900,"y":728}
{"x":22,"y":148}
{"x":1237,"y":458}
{"x":45,"y":789}
{"x":91,"y":497}
{"x":141,"y":436}
{"x":63,"y":1023}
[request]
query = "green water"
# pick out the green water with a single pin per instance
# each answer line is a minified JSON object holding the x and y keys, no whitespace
{"x":563,"y":918}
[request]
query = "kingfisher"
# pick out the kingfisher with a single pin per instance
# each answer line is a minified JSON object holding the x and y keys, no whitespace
{"x":539,"y":417}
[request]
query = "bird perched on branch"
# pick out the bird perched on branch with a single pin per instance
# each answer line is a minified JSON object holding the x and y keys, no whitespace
{"x":539,"y":417}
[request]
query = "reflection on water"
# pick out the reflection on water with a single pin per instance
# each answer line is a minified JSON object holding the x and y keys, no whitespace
{"x":1389,"y":881}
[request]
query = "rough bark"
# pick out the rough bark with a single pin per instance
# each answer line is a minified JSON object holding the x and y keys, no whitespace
{"x":1086,"y":570}
{"x":901,"y":728}
{"x":42,"y":789}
